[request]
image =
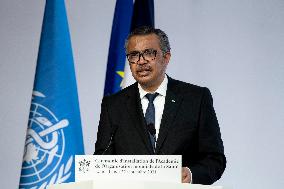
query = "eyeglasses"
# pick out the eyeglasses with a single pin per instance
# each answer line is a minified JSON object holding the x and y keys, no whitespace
{"x":148,"y":55}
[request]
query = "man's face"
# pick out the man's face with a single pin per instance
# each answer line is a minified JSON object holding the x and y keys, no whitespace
{"x":148,"y":73}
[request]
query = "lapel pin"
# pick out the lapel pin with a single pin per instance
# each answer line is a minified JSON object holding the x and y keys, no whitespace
{"x":173,"y":101}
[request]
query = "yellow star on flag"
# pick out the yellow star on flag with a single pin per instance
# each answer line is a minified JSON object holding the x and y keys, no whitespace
{"x":121,"y":74}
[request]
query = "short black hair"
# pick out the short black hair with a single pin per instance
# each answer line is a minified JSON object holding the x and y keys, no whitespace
{"x":146,"y":30}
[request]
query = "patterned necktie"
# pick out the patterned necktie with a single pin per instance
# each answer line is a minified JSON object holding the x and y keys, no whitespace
{"x":150,"y":118}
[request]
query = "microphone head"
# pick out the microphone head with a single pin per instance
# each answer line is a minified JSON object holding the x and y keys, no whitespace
{"x":151,"y":129}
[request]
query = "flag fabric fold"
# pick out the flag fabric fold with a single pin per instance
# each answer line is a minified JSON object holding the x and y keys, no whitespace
{"x":143,"y":14}
{"x":54,"y":133}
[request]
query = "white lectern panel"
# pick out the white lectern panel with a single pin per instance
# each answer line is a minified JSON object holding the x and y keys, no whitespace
{"x":130,"y":185}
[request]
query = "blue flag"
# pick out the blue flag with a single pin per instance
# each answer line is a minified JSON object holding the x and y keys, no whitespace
{"x":54,"y":133}
{"x":126,"y":18}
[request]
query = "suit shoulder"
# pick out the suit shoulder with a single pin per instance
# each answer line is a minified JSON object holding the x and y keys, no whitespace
{"x":185,"y":87}
{"x":191,"y":91}
{"x":122,"y":93}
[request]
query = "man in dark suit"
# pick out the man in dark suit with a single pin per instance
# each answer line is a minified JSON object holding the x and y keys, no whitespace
{"x":178,"y":119}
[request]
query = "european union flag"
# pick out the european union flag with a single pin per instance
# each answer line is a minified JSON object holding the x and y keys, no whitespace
{"x":116,"y":55}
{"x":54,"y":133}
{"x":126,"y":18}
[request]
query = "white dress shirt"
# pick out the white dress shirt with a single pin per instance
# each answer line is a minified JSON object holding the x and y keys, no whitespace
{"x":159,"y":102}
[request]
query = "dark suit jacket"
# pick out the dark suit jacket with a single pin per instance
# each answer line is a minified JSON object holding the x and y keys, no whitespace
{"x":189,"y":127}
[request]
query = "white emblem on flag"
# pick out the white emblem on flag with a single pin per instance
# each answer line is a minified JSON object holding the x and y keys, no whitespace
{"x":44,"y":148}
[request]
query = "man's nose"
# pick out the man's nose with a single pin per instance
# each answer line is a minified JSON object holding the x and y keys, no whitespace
{"x":141,"y":59}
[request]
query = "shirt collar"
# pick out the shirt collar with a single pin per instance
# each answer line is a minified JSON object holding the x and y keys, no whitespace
{"x":162,"y":89}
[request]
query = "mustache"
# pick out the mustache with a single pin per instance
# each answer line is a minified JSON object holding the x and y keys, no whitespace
{"x":144,"y":67}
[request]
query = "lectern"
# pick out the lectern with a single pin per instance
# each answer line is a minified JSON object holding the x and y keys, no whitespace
{"x":130,"y":185}
{"x":129,"y":172}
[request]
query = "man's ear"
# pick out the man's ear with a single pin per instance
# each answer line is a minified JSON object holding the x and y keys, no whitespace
{"x":167,"y":57}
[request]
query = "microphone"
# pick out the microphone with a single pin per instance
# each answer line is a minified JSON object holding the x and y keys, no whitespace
{"x":151,"y":129}
{"x":113,"y":131}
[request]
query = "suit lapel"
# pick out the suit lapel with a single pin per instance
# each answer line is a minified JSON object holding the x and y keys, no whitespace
{"x":172,"y":103}
{"x":134,"y":108}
